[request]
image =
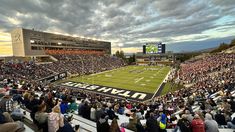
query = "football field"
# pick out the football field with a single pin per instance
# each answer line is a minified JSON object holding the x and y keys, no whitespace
{"x":137,"y":78}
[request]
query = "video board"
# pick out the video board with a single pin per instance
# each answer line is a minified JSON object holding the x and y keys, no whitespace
{"x":154,"y":48}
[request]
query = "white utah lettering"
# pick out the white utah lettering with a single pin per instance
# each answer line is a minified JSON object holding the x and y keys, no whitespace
{"x":93,"y":87}
{"x":104,"y":89}
{"x":66,"y":83}
{"x":126,"y":94}
{"x":84,"y":86}
{"x":71,"y":84}
{"x":141,"y":95}
{"x":78,"y":85}
{"x":115,"y":91}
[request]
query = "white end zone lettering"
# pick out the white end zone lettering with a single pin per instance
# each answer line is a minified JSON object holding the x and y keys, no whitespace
{"x":126,"y":94}
{"x":92,"y":87}
{"x":135,"y":95}
{"x":141,"y":95}
{"x":104,"y":89}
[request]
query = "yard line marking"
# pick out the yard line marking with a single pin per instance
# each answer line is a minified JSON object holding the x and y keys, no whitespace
{"x":139,"y":79}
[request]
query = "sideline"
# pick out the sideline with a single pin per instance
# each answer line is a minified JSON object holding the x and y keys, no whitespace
{"x":161,"y":84}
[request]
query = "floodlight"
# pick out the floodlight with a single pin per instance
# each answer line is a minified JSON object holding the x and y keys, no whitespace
{"x":32,"y":41}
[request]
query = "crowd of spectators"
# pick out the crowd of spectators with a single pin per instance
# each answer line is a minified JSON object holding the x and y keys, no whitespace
{"x":192,"y":109}
{"x":26,"y":70}
{"x":99,"y":108}
{"x":85,"y":64}
{"x":195,"y":70}
{"x":74,"y":64}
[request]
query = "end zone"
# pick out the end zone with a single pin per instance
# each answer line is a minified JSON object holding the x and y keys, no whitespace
{"x":109,"y":91}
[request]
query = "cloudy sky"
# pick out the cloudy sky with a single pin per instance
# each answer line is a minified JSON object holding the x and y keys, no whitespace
{"x":126,"y":23}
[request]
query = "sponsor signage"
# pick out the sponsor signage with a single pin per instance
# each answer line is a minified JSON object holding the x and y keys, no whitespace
{"x":129,"y":94}
{"x":54,"y":78}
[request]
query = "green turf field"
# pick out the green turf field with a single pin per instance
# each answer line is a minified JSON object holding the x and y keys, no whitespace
{"x":170,"y":87}
{"x":138,"y":78}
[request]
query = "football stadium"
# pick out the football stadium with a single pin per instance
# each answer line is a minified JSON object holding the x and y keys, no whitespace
{"x":121,"y":74}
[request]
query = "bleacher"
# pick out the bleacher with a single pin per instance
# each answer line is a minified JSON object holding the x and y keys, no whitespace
{"x":90,"y":126}
{"x":85,"y":124}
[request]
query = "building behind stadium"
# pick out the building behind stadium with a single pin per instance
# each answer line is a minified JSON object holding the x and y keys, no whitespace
{"x":28,"y":43}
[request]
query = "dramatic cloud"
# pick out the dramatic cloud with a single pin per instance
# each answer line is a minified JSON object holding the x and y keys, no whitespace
{"x":130,"y":23}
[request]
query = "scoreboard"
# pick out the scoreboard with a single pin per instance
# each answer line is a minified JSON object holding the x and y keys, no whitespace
{"x":154,"y":48}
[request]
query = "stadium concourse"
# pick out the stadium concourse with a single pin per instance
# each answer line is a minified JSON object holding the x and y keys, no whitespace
{"x":207,"y":104}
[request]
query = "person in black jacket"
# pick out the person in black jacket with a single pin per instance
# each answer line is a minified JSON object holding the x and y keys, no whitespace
{"x":111,"y":114}
{"x":184,"y":124}
{"x":152,"y":124}
{"x":80,"y":107}
{"x":232,"y":103}
{"x":220,"y":118}
{"x":99,"y":112}
{"x":102,"y":124}
{"x":86,"y":111}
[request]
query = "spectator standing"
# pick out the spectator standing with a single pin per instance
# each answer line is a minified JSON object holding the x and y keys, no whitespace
{"x":73,"y":106}
{"x":162,"y":122}
{"x":102,"y":124}
{"x":100,"y":111}
{"x":64,"y":107}
{"x":184,"y":124}
{"x":93,"y":113}
{"x":152,"y":124}
{"x":210,"y":124}
{"x":111,"y":113}
{"x":132,"y":122}
{"x":55,"y":119}
{"x":220,"y":118}
{"x":41,"y":116}
{"x":188,"y":115}
{"x":114,"y":126}
{"x":86,"y":111}
{"x":197,"y":124}
{"x":6,"y":104}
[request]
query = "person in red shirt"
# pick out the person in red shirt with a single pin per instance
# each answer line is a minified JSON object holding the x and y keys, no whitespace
{"x":197,"y":124}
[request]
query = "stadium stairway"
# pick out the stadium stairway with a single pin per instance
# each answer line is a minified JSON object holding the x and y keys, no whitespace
{"x":53,"y":58}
